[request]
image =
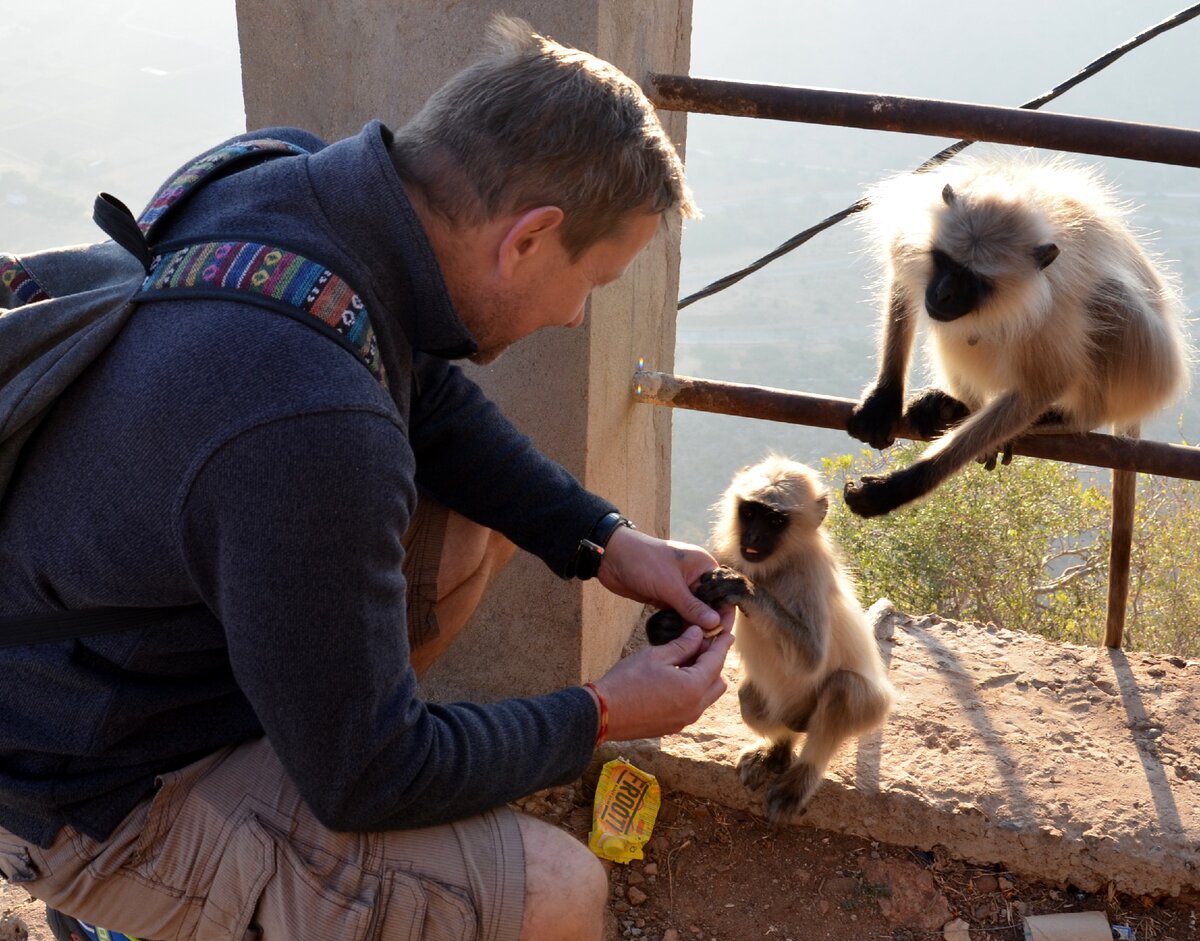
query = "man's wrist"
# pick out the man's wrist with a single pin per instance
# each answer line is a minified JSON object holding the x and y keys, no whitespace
{"x":602,"y":708}
{"x":585,"y":563}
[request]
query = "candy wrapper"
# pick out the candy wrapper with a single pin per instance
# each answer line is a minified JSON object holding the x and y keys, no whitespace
{"x":627,"y":801}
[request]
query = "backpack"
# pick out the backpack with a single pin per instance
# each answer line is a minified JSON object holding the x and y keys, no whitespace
{"x":61,"y":308}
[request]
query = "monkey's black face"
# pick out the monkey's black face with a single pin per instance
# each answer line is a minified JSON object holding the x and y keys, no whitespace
{"x":759,"y":528}
{"x":954,"y":290}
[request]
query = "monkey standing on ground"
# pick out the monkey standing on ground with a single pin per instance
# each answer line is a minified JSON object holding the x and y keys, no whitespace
{"x":810,"y":657}
{"x":1043,"y":307}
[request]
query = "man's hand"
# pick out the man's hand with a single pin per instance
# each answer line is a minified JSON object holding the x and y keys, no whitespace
{"x":660,"y":690}
{"x":659,"y":572}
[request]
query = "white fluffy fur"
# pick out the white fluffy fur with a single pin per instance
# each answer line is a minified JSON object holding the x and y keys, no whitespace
{"x":806,"y":578}
{"x":1038,"y":332}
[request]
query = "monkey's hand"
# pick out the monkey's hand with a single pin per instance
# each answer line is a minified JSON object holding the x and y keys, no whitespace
{"x":723,"y":586}
{"x":877,"y":494}
{"x":875,"y":418}
{"x":719,"y":588}
{"x":933,"y":412}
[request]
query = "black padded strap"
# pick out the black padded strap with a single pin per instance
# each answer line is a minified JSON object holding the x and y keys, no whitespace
{"x":119,"y":224}
{"x":25,"y":629}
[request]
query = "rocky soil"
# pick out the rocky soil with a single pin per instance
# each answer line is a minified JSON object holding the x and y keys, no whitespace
{"x":715,"y":874}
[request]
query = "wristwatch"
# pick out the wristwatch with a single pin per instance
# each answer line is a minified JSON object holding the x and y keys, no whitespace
{"x":585,"y":563}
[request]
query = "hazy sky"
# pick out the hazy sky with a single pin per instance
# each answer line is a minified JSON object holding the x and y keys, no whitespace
{"x":115,"y":94}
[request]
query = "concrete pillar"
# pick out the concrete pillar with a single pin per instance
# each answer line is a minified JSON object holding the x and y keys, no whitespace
{"x":331,"y":68}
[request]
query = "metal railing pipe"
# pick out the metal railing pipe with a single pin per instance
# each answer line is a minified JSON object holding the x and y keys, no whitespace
{"x":954,"y":119}
{"x":822,"y":411}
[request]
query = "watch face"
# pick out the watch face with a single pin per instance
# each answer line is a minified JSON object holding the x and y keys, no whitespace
{"x":587,"y":559}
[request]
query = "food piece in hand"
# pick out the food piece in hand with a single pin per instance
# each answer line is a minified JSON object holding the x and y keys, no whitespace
{"x":722,"y":586}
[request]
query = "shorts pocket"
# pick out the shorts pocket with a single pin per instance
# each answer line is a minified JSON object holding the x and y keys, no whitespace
{"x":246,"y":864}
{"x":16,"y":865}
{"x":415,"y":909}
{"x":263,"y":887}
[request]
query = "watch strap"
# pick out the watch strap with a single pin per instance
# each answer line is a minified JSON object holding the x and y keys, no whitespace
{"x":590,"y":551}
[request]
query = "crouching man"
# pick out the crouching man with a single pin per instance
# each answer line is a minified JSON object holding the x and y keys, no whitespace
{"x":256,"y":762}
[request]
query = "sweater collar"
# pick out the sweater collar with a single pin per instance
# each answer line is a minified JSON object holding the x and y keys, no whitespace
{"x":362,"y":196}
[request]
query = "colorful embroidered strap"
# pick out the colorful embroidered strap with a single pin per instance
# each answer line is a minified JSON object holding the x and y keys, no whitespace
{"x":204,"y":168}
{"x":252,"y":272}
{"x":15,"y":277}
{"x":272,"y":277}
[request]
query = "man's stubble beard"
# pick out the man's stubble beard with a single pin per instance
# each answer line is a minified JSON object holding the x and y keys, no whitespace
{"x":485,"y":316}
{"x":488,"y":356}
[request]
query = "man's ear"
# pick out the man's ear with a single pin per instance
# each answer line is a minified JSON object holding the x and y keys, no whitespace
{"x":529,"y":234}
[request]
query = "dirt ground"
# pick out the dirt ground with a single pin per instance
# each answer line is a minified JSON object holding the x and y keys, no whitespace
{"x":712,"y":874}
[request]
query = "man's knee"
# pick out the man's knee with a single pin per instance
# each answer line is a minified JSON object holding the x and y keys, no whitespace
{"x":566,"y":886}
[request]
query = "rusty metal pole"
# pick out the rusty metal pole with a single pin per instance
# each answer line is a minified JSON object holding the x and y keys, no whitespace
{"x":1124,"y":502}
{"x":954,"y":119}
{"x":823,"y":411}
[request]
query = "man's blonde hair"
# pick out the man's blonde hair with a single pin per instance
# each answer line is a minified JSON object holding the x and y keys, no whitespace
{"x":534,"y":123}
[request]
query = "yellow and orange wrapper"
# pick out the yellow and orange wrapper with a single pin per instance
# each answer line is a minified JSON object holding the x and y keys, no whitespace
{"x":623,"y":814}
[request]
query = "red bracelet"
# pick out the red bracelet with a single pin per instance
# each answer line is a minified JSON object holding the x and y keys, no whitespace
{"x":603,"y":729}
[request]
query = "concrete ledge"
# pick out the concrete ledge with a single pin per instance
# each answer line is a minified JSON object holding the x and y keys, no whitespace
{"x":1063,"y":763}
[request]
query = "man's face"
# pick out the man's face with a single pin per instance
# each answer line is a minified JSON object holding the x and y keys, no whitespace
{"x":553,"y":290}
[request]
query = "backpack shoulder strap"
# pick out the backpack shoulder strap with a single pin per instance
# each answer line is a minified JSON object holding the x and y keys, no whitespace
{"x":245,"y":270}
{"x":254,"y":272}
{"x":216,"y":163}
{"x":268,"y":276}
{"x":16,"y":279}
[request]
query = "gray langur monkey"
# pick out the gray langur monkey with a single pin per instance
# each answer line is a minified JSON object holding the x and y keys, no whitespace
{"x":810,"y":659}
{"x":1042,"y":308}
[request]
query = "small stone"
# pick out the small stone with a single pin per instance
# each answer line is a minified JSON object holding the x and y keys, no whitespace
{"x":651,"y":869}
{"x":842,"y":886}
{"x":13,"y":927}
{"x":670,"y":935}
{"x":986,"y":884}
{"x":636,"y":896}
{"x":957,"y":930}
{"x":620,"y":906}
{"x":635,"y":877}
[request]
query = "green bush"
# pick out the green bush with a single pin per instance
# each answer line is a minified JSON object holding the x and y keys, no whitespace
{"x":1026,"y":547}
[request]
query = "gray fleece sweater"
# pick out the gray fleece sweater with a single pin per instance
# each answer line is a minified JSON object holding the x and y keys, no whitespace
{"x":240,"y":468}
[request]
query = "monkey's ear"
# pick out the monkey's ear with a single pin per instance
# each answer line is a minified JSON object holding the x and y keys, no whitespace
{"x":821,"y":507}
{"x":1044,"y":254}
{"x":948,"y":196}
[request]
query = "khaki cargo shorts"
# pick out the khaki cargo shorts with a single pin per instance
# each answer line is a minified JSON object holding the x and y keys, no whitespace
{"x":226,"y":849}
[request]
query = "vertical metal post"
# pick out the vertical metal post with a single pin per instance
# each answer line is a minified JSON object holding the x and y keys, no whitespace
{"x":1124,"y":496}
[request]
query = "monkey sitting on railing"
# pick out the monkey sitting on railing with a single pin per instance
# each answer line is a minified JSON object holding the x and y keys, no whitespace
{"x":1042,"y":308}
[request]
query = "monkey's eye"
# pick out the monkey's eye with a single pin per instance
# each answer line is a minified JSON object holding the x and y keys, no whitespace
{"x":777,"y":520}
{"x":944,"y":262}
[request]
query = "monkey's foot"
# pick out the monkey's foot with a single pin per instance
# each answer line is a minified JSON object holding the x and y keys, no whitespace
{"x":1005,"y":455}
{"x":933,"y":412}
{"x":874,"y":419}
{"x":789,"y":796}
{"x":759,"y":766}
